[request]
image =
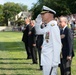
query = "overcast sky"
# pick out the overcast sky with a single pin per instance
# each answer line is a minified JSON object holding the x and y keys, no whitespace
{"x":25,"y":2}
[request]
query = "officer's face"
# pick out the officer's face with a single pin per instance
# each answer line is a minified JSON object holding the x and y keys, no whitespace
{"x":45,"y":17}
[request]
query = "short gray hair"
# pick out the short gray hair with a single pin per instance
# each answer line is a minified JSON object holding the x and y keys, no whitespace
{"x":64,"y":18}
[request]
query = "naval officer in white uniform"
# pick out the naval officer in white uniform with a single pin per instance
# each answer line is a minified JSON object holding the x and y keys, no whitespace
{"x":51,"y":47}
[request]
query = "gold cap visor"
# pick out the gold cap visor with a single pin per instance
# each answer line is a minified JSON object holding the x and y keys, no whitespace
{"x":42,"y":12}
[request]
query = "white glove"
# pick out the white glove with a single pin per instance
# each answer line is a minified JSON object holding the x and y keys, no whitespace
{"x":38,"y":24}
{"x":54,"y":64}
{"x":38,"y":19}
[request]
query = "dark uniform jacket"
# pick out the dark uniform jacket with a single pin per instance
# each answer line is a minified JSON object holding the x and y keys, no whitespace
{"x":25,"y":34}
{"x":67,"y":42}
{"x":39,"y":41}
{"x":32,"y":36}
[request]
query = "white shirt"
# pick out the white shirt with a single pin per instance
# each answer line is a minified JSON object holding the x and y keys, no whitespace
{"x":64,"y":27}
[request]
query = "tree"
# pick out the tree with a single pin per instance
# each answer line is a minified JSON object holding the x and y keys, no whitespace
{"x":10,"y":9}
{"x":72,"y":5}
{"x":62,"y":7}
{"x":19,"y":22}
{"x":23,"y":7}
{"x":1,"y":15}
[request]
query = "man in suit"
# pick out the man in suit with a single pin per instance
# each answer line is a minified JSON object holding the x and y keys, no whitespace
{"x":25,"y":38}
{"x":32,"y":42}
{"x":67,"y":47}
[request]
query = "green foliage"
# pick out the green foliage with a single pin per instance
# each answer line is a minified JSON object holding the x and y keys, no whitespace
{"x":10,"y":9}
{"x":36,"y":11}
{"x":72,"y":5}
{"x":1,"y":20}
{"x":20,"y":22}
{"x":1,"y":15}
{"x":62,"y":7}
{"x":23,"y":7}
{"x":1,"y":9}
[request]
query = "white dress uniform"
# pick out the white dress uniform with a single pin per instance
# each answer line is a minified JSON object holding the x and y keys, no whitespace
{"x":51,"y":48}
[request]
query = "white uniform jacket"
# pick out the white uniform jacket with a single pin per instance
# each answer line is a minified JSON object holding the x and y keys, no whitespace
{"x":51,"y":47}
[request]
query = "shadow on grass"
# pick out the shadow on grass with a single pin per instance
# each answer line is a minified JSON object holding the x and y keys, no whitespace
{"x":12,"y":58}
{"x":14,"y":63}
{"x":15,"y":74}
{"x":17,"y":68}
{"x":18,"y":74}
{"x":20,"y":68}
{"x":12,"y":46}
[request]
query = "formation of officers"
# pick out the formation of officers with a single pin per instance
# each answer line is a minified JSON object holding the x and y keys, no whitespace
{"x":53,"y":41}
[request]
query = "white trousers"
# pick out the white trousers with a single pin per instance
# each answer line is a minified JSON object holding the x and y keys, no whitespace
{"x":47,"y":69}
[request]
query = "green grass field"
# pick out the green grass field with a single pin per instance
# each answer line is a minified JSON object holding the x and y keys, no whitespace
{"x":13,"y":56}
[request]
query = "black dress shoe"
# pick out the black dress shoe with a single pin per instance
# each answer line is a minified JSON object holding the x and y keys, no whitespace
{"x":29,"y":57}
{"x":41,"y":68}
{"x":35,"y":63}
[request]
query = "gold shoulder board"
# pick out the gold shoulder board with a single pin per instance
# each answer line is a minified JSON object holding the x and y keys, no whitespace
{"x":52,"y":24}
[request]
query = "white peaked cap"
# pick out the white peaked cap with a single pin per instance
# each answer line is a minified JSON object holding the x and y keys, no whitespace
{"x":47,"y":9}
